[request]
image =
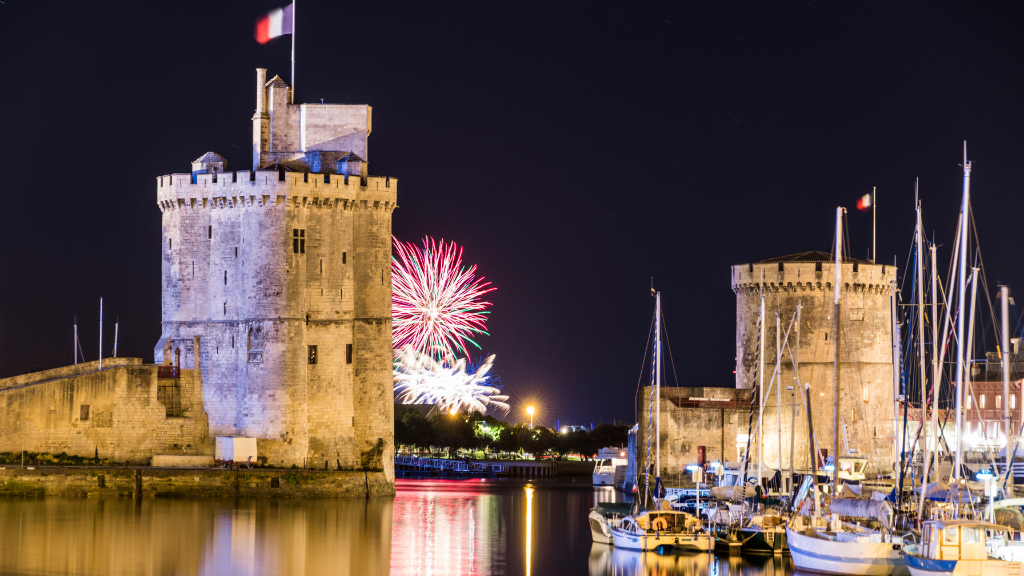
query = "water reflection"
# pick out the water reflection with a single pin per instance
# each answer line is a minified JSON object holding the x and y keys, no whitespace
{"x":529,"y":526}
{"x":431,"y":528}
{"x":607,"y":560}
{"x":449,"y":527}
{"x":216,"y":537}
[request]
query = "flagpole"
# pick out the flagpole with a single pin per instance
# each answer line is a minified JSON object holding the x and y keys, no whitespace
{"x":293,"y":50}
{"x":874,"y":208}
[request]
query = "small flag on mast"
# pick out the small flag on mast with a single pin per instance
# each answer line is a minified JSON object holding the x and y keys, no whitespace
{"x":864,"y":204}
{"x":275,"y":23}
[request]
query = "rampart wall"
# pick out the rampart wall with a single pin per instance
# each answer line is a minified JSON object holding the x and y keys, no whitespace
{"x":119,"y":413}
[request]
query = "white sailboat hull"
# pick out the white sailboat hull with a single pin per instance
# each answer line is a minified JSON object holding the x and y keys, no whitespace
{"x":600,"y":529}
{"x":654,"y":541}
{"x":815,"y":554}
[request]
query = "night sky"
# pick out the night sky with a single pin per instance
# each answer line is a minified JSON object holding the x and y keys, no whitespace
{"x":576,"y":149}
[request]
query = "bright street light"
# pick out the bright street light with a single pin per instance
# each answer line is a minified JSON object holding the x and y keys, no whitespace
{"x":529,"y":410}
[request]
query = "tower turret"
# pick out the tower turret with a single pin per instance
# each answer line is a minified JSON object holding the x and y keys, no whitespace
{"x":305,"y":137}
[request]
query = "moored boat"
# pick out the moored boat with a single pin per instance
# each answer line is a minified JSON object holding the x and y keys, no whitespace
{"x":763,"y":535}
{"x":662,"y":530}
{"x":606,"y":515}
{"x":610,"y":466}
{"x":857,"y":552}
{"x":964,"y":548}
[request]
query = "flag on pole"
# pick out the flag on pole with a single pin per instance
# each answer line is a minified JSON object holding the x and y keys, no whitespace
{"x":275,"y":23}
{"x":864,"y":203}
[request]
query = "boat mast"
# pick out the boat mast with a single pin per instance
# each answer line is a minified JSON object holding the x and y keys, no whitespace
{"x":936,"y":367}
{"x":778,"y":389}
{"x":1004,"y":294}
{"x":970,"y":350}
{"x":810,"y":443}
{"x":960,"y":348}
{"x":760,"y":386}
{"x":795,"y":357}
{"x":945,"y":325}
{"x":835,"y":345}
{"x":657,"y":393}
{"x":895,"y":328}
{"x":919,"y":280}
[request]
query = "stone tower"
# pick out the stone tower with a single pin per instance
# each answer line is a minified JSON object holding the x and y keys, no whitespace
{"x":277,"y":285}
{"x":866,"y":370}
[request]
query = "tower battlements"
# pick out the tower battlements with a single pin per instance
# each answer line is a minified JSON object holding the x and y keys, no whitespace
{"x":271,"y":188}
{"x":814,"y":272}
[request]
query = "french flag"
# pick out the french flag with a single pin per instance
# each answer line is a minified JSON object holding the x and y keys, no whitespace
{"x":275,"y":23}
{"x":864,"y":204}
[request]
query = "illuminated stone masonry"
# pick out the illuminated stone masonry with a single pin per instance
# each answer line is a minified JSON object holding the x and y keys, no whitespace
{"x":716,"y":419}
{"x":284,"y":273}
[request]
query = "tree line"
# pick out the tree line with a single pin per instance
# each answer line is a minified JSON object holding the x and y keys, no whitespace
{"x":466,"y":435}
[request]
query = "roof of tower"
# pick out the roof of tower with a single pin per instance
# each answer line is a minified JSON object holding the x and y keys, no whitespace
{"x":812,"y":256}
{"x":210,"y":157}
{"x":351,"y":156}
{"x":276,"y":80}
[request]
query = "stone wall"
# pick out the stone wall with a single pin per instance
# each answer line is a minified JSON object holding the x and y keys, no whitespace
{"x":156,"y":482}
{"x":692,"y":418}
{"x":117,"y":413}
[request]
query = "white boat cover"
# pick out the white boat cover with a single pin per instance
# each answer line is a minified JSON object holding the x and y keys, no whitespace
{"x":851,"y":491}
{"x":733,"y":492}
{"x":943,"y":492}
{"x":863,"y":508}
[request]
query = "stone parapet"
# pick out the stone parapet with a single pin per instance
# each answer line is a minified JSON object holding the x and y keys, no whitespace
{"x":266,"y":189}
{"x":66,"y":372}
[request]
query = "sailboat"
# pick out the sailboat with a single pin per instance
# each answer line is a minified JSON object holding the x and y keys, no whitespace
{"x":951,"y":546}
{"x":817,"y":544}
{"x":659,"y":529}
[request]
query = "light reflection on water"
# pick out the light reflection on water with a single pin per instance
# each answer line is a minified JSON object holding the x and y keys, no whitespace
{"x":179,"y":536}
{"x":607,"y":560}
{"x":539,"y":528}
{"x":431,"y":528}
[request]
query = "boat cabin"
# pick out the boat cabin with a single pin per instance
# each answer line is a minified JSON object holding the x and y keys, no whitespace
{"x":959,"y":539}
{"x":659,"y":521}
{"x":852,"y":468}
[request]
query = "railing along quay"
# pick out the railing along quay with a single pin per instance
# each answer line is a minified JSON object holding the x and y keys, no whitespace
{"x":517,"y":468}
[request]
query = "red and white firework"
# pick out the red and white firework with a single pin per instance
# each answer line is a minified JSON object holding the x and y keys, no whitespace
{"x":436,"y":304}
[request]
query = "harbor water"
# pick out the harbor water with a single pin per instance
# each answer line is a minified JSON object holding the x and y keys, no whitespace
{"x":431,"y":527}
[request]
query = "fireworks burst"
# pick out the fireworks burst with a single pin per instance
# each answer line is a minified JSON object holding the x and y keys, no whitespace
{"x":421,"y":379}
{"x":435,"y":300}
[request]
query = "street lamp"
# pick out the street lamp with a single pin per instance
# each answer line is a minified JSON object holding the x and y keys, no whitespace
{"x":529,"y":410}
